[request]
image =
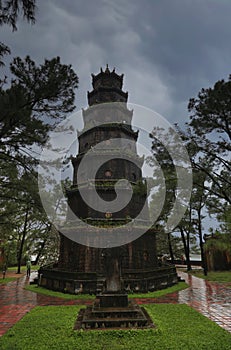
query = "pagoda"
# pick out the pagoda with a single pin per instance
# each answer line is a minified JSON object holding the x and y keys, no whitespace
{"x":86,"y":261}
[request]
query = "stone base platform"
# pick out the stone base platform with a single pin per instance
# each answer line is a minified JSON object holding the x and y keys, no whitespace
{"x":74,"y":282}
{"x":101,"y":315}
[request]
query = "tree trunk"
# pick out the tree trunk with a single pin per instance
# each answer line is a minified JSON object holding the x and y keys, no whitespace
{"x":170,"y":248}
{"x":186,"y":249}
{"x":19,"y":257}
{"x":203,"y":259}
{"x":43,"y":245}
{"x":40,"y":251}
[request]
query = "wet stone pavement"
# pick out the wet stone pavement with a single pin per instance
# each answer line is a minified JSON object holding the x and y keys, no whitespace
{"x":209,"y":298}
{"x":15,"y":302}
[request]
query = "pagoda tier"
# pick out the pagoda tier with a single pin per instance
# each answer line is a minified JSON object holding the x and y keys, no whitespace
{"x":107,"y":132}
{"x":123,"y":165}
{"x":79,"y":207}
{"x":110,"y":113}
{"x":136,"y":255}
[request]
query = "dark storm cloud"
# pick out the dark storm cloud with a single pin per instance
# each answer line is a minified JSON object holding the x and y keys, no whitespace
{"x":188,"y":40}
{"x":168,"y":50}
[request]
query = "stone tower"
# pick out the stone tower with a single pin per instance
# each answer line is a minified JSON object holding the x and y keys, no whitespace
{"x":83,"y":267}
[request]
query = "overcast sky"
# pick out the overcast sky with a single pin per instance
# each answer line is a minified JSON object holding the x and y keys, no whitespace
{"x":167,"y":49}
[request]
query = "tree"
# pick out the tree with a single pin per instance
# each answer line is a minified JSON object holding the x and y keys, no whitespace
{"x":4,"y":50}
{"x":44,"y":240}
{"x":37,"y":94}
{"x":199,"y":202}
{"x":9,"y":12}
{"x":210,"y":129}
{"x":218,"y":243}
{"x":37,"y":98}
{"x":170,"y":186}
{"x":24,"y":209}
{"x":225,"y":221}
{"x":165,"y":241}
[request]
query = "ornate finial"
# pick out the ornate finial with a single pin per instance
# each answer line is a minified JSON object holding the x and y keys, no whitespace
{"x":101,"y":70}
{"x":107,"y":69}
{"x":113,"y":70}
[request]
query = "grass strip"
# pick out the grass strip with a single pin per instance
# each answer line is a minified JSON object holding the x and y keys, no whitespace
{"x":161,"y":292}
{"x":7,"y":280}
{"x":214,"y":276}
{"x":40,"y":290}
{"x":156,"y":294}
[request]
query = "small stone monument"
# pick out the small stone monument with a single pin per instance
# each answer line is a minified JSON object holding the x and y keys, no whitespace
{"x":113,"y":296}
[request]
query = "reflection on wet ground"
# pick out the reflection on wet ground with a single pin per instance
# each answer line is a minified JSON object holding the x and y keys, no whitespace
{"x":209,"y":298}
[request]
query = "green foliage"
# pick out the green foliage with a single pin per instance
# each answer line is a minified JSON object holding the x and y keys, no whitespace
{"x":140,"y":188}
{"x":31,"y":104}
{"x":169,"y":185}
{"x":178,"y":327}
{"x":225,"y":219}
{"x":10,"y":9}
{"x":36,"y":93}
{"x":9,"y":12}
{"x":37,"y":98}
{"x":210,"y":131}
{"x":223,"y":234}
{"x":208,"y":144}
{"x":219,"y":241}
{"x":162,"y":240}
{"x":4,"y":50}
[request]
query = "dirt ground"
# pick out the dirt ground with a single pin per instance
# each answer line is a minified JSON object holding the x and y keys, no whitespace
{"x":13,"y":274}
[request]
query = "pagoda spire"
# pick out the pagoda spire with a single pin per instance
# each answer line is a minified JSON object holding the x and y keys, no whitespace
{"x":107,"y":87}
{"x":107,"y":70}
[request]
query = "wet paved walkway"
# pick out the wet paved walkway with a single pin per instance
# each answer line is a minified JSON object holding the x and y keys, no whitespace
{"x":209,"y":298}
{"x":15,"y":302}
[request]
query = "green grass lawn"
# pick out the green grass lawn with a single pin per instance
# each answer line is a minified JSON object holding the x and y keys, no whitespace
{"x":13,"y":269}
{"x":178,"y":327}
{"x":37,"y":289}
{"x":23,"y":268}
{"x":160,"y":293}
{"x":215,"y":276}
{"x":7,"y":280}
{"x":156,"y":294}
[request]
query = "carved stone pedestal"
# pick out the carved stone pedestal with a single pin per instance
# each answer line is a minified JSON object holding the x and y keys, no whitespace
{"x":112,"y":300}
{"x":113,"y":311}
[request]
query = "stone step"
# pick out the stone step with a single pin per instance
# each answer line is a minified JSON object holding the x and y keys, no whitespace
{"x":124,"y":318}
{"x":113,"y":323}
{"x":91,"y":315}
